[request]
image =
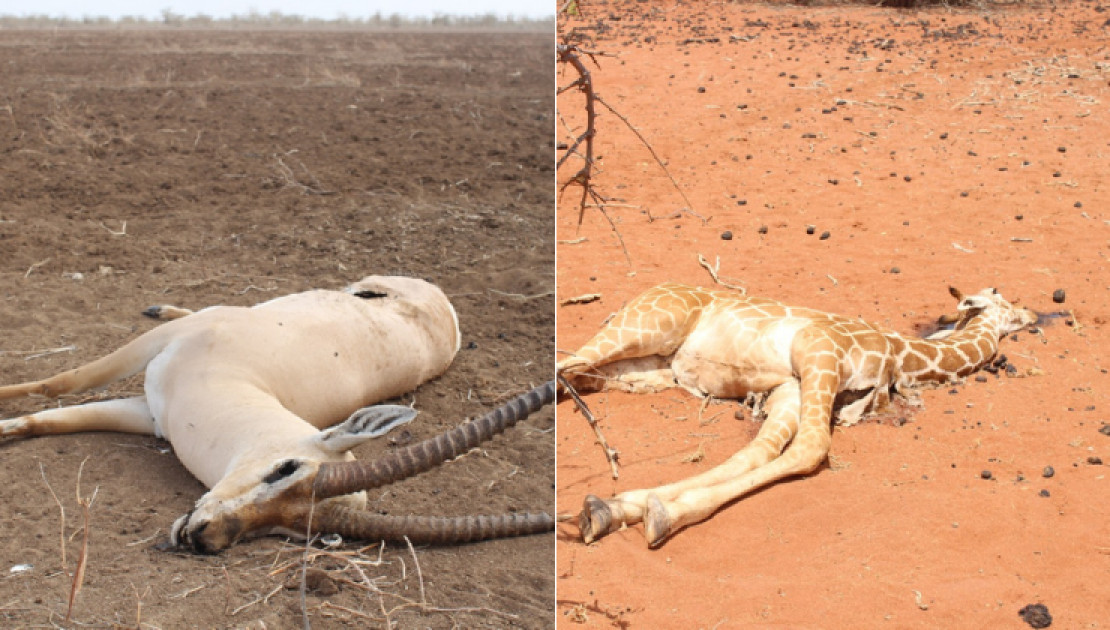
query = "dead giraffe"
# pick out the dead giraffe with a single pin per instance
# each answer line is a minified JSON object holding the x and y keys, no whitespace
{"x":812,"y":365}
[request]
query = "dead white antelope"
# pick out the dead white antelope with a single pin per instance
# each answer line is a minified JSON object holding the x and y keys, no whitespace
{"x":243,"y":394}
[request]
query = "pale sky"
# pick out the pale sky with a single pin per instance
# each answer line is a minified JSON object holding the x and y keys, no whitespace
{"x":326,"y":9}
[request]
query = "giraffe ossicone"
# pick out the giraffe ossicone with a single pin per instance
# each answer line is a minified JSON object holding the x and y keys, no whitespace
{"x":814,"y":368}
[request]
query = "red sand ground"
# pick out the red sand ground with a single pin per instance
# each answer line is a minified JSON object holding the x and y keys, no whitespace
{"x":936,"y":147}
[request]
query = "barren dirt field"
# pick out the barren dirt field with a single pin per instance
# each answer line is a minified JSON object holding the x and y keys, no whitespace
{"x":926,"y":148}
{"x":201,"y":168}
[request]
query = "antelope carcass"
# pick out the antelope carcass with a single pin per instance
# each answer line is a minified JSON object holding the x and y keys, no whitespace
{"x":246,"y":397}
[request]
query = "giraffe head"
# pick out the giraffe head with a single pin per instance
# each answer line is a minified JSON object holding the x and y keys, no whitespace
{"x":988,"y":304}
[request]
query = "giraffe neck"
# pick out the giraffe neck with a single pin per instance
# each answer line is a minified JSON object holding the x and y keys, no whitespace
{"x":952,"y":357}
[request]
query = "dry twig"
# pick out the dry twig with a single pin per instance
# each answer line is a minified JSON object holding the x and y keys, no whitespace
{"x":714,"y":270}
{"x":61,"y":515}
{"x":581,"y":299}
{"x":82,"y":559}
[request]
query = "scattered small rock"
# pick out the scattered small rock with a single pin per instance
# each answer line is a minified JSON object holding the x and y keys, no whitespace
{"x":986,"y":474}
{"x":1048,"y":472}
{"x":1036,"y":615}
{"x":825,"y":235}
{"x":726,"y":235}
{"x":1058,"y":296}
{"x":1104,"y":429}
{"x":810,"y":229}
{"x":1094,"y":460}
{"x":763,"y":229}
{"x":1044,"y":493}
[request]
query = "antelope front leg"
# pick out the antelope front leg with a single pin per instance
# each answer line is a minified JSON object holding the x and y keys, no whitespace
{"x":600,"y":517}
{"x":125,"y":415}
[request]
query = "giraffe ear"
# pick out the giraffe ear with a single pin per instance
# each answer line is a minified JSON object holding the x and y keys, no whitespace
{"x":956,"y":293}
{"x":973,"y":302}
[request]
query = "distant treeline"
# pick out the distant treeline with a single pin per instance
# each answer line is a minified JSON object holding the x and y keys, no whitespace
{"x":277,"y":19}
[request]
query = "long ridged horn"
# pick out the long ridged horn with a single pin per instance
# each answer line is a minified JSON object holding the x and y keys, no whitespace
{"x":362,"y":525}
{"x":334,"y":479}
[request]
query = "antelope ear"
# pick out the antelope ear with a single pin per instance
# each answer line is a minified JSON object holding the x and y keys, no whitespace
{"x":973,"y":302}
{"x":956,"y":293}
{"x":364,"y":424}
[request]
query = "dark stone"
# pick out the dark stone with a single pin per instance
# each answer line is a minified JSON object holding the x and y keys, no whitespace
{"x":1036,"y":615}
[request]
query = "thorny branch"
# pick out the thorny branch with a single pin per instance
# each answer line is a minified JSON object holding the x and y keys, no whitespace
{"x":570,"y":54}
{"x":611,"y":454}
{"x":582,"y":144}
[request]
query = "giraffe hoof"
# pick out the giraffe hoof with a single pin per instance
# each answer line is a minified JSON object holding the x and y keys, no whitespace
{"x":657,"y":523}
{"x":595,"y":519}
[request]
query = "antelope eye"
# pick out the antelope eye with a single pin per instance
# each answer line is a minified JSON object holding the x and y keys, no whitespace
{"x":284,"y":469}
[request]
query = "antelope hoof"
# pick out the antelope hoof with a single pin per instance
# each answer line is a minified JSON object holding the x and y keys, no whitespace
{"x":595,"y":520}
{"x":16,"y":427}
{"x":657,"y":523}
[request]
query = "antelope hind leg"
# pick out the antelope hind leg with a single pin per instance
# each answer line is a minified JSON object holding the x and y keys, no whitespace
{"x":782,"y":408}
{"x":127,"y":360}
{"x":166,"y":312}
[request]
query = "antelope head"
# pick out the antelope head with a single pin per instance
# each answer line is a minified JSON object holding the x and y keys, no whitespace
{"x":316,"y":486}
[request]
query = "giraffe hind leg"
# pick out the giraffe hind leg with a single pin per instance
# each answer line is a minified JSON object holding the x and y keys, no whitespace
{"x":804,"y":455}
{"x":600,"y":517}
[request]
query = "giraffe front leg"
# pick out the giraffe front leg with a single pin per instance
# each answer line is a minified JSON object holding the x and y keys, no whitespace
{"x":632,"y":350}
{"x":600,"y":517}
